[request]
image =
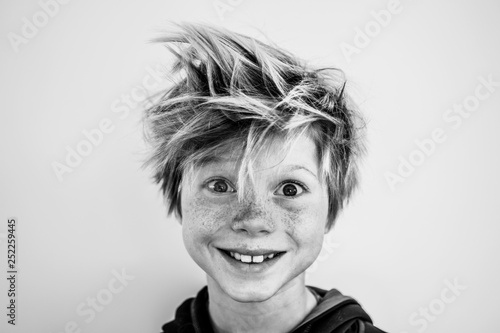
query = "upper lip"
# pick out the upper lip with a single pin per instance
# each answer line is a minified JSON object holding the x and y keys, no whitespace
{"x":250,"y":252}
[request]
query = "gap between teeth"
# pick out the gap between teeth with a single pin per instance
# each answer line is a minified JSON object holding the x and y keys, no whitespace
{"x":247,"y":259}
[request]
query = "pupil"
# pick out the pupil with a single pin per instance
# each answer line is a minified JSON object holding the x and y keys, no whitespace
{"x":289,"y":190}
{"x":220,"y":186}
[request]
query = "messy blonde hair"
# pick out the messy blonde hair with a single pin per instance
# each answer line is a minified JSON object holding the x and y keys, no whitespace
{"x":235,"y":93}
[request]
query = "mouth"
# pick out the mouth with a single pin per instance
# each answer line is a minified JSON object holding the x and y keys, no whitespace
{"x":252,"y":259}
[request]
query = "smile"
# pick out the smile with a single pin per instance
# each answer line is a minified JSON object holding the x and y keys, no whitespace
{"x":252,"y":259}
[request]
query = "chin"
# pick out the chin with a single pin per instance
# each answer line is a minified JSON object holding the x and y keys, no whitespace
{"x":249,"y":293}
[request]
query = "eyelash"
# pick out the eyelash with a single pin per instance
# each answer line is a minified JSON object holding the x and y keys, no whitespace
{"x":288,"y":181}
{"x":295,"y":182}
{"x":218,"y":178}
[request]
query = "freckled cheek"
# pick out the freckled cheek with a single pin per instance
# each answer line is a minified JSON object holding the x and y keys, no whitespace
{"x":201,"y":220}
{"x":306,"y":226}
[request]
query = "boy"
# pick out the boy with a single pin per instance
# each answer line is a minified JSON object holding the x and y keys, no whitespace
{"x":256,"y":154}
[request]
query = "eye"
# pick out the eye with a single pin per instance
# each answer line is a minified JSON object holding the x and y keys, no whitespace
{"x":220,"y":186}
{"x":291,"y":189}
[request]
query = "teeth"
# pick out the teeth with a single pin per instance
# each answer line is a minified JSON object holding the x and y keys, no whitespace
{"x":258,"y":259}
{"x":247,"y":259}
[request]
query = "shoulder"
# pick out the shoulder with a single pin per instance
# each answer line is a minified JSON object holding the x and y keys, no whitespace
{"x":182,"y":322}
{"x":336,"y":313}
{"x":170,"y":327}
{"x":191,"y":316}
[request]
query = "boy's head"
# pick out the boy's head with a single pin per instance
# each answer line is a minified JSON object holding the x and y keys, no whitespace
{"x":237,"y":96}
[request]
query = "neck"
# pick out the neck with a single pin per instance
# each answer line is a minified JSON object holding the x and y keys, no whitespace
{"x":280,"y":313}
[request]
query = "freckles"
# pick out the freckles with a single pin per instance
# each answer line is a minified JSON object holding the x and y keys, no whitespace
{"x":203,"y":217}
{"x":293,"y":221}
{"x":291,"y":218}
{"x":264,"y":211}
{"x":299,"y":221}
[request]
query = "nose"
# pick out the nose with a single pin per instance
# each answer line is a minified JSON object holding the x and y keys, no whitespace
{"x":254,"y":218}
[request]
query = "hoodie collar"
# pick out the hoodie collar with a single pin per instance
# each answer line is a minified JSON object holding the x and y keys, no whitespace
{"x":328,"y":300}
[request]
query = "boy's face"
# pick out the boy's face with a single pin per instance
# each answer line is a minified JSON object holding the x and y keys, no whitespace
{"x":277,"y":215}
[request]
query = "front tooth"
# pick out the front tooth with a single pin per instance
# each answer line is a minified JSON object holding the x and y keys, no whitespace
{"x":258,"y":259}
{"x":237,"y":255}
{"x":245,"y":258}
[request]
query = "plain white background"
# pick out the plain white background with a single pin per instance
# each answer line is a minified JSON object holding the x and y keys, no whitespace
{"x":393,"y":249}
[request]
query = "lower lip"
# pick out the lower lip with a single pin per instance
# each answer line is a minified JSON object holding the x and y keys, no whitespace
{"x":253,"y":267}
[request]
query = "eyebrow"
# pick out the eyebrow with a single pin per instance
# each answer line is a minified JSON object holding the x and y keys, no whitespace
{"x":218,"y":161}
{"x":294,"y":167}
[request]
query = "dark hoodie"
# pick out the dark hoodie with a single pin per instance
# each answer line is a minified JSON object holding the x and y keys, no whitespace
{"x":335,"y":313}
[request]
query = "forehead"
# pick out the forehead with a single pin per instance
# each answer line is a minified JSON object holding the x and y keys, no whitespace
{"x":274,"y":155}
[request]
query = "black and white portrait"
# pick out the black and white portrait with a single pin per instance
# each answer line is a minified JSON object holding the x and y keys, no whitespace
{"x":241,"y":166}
